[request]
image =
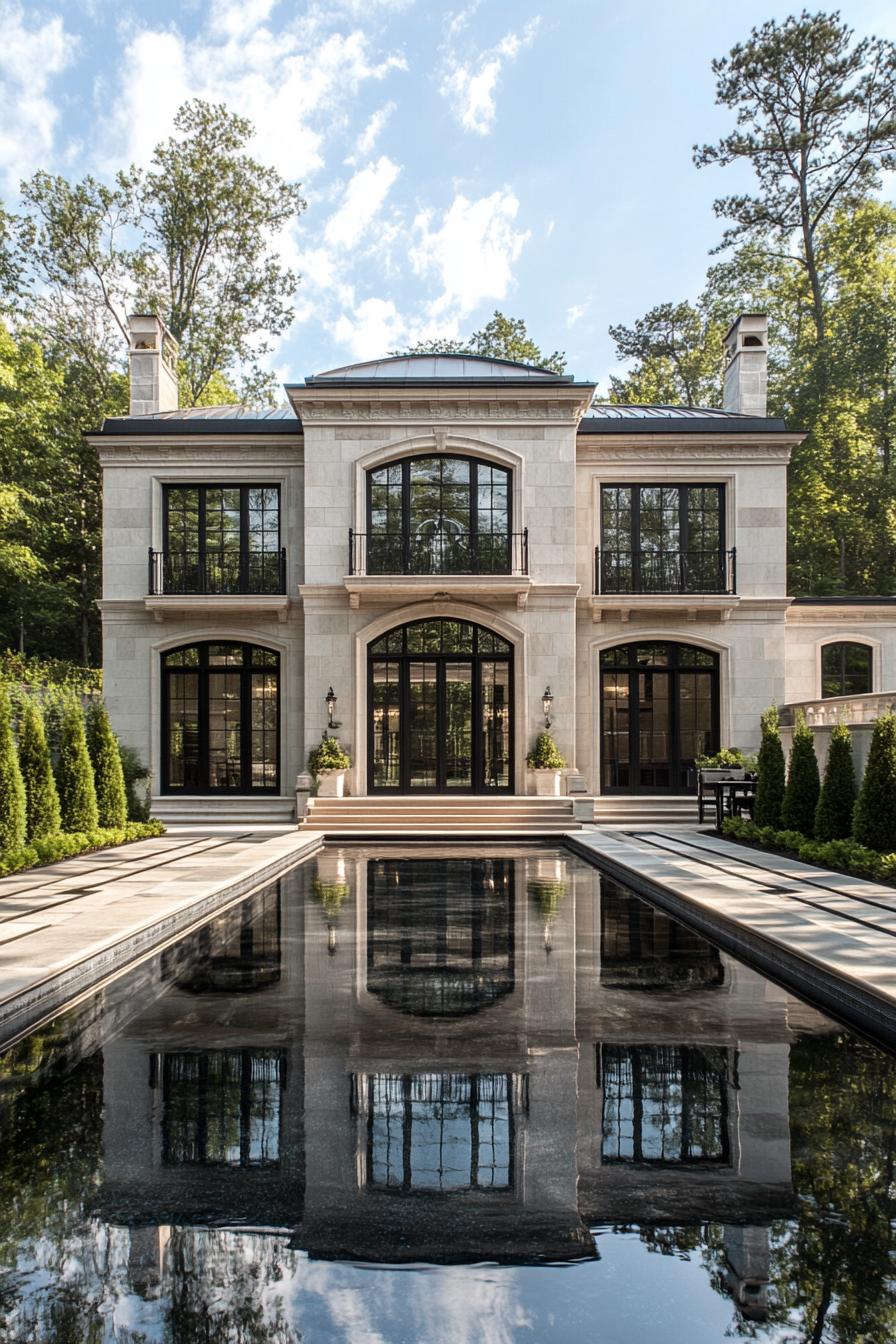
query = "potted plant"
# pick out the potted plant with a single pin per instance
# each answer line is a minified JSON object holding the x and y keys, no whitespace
{"x":545,"y":763}
{"x":328,"y":763}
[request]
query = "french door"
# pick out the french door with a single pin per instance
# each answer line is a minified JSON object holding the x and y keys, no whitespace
{"x":659,"y":711}
{"x":440,"y":722}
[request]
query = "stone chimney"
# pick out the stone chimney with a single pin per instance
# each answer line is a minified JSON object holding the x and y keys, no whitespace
{"x":746,"y":365}
{"x":153,"y":365}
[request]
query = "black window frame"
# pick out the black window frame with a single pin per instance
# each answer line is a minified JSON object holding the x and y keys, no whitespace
{"x":842,"y":647}
{"x":635,"y":546}
{"x":404,"y":534}
{"x":245,"y":585}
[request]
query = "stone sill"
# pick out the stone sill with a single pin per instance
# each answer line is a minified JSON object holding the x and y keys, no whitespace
{"x":695,"y":606}
{"x":378,"y":588}
{"x":255,"y":604}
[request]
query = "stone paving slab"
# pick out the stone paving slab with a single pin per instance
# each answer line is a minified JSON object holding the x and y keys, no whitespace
{"x":835,"y":940}
{"x":73,"y":930}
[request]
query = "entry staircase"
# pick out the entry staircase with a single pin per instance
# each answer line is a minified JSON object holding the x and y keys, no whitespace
{"x":263,"y":810}
{"x":363,"y":818}
{"x":645,"y":810}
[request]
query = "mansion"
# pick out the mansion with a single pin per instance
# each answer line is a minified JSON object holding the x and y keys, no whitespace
{"x":456,"y":550}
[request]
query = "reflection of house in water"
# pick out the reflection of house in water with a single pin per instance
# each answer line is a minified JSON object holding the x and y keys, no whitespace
{"x":456,"y":1058}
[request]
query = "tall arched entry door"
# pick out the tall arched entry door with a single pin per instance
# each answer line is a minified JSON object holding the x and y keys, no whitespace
{"x":659,"y":710}
{"x":440,"y":710}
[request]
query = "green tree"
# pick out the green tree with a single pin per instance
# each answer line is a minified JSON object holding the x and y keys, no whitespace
{"x":501,"y":338}
{"x":815,"y":118}
{"x":192,"y":238}
{"x":74,"y":773}
{"x":874,"y":823}
{"x":770,"y":769}
{"x":12,"y":790}
{"x":108,"y":775}
{"x":42,"y":810}
{"x":676,"y":349}
{"x":837,"y":800}
{"x":801,"y":792}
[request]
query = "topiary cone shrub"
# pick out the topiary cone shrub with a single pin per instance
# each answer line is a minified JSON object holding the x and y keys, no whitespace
{"x":874,"y":823}
{"x":770,"y":768}
{"x":42,"y":814}
{"x":12,"y":789}
{"x":803,"y":786}
{"x":74,"y":773}
{"x":836,"y":803}
{"x":545,"y":755}
{"x":108,"y":776}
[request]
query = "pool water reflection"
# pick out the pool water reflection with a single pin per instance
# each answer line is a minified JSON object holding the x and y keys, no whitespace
{"x":562,"y":1112}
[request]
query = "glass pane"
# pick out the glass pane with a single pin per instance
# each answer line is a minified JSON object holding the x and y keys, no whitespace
{"x":225,"y":655}
{"x":654,"y":767}
{"x":222,"y":1108}
{"x":265,"y":729}
{"x":224,"y":731}
{"x":183,"y":519}
{"x":386,"y":710}
{"x":458,"y":725}
{"x":664,"y":1103}
{"x":495,"y":699}
{"x":423,"y":725}
{"x":425,"y":637}
{"x":183,"y":730}
{"x":695,"y":721}
{"x":857,"y":669}
{"x":615,"y":766}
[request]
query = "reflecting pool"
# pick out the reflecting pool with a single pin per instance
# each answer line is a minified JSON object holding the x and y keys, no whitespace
{"x":471,"y":1096}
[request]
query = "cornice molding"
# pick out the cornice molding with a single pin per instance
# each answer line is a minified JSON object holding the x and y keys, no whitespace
{"x":201,"y":452}
{"x":661,"y":450}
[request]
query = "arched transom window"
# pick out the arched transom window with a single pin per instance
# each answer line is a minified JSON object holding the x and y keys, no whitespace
{"x":439,"y":515}
{"x":846,"y":669}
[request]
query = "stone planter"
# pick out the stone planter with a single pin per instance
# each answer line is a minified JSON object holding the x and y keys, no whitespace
{"x":544,"y":783}
{"x":331,"y":783}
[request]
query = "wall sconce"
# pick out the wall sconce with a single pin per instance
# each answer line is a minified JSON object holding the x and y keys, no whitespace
{"x":331,"y":702}
{"x":547,"y":700}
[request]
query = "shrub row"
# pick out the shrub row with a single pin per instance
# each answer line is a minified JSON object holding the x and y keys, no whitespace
{"x":846,"y":856}
{"x":66,"y":845}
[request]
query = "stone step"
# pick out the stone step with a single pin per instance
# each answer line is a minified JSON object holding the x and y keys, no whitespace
{"x":224,"y":809}
{"x":438,"y":815}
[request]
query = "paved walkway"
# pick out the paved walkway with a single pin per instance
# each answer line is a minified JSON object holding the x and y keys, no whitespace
{"x":832,"y":935}
{"x":66,"y":927}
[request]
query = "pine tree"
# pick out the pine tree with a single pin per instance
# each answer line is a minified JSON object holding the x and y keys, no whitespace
{"x":108,"y":776}
{"x":12,"y":790}
{"x":770,"y":767}
{"x":74,"y":773}
{"x":875,"y":815}
{"x":42,"y":815}
{"x":836,"y":803}
{"x":801,"y":793}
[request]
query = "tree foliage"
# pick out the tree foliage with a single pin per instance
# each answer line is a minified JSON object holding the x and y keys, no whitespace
{"x":108,"y":775}
{"x":43,"y":816}
{"x":802,"y":790}
{"x":12,"y":789}
{"x":874,"y":824}
{"x":676,"y":349}
{"x":74,"y":773}
{"x":770,"y":769}
{"x":501,"y":338}
{"x":837,"y":800}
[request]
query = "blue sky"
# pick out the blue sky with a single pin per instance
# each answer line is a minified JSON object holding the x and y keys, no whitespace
{"x":529,"y":156}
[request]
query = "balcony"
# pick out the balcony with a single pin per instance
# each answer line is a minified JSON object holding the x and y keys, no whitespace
{"x":217,"y":580}
{"x":430,"y":564}
{"x":701,"y":582}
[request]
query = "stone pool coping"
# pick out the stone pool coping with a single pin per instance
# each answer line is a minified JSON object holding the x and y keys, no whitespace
{"x":67,"y":927}
{"x":817,"y":932}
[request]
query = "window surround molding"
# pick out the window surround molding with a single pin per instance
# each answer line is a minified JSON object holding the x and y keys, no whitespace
{"x":439,"y":444}
{"x":219,"y":634}
{"x":849,"y":637}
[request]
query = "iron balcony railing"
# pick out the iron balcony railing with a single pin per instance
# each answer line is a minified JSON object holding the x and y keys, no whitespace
{"x":179,"y":573}
{"x":700,"y":571}
{"x":438,"y":553}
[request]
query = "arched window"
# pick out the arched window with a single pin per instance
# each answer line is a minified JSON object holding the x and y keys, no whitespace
{"x":221,"y":719}
{"x":438,"y":515}
{"x":846,"y":669}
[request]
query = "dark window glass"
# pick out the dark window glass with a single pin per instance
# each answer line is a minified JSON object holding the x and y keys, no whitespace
{"x":846,"y":669}
{"x":222,"y":1108}
{"x":439,"y":515}
{"x":662,"y":539}
{"x":221,"y":539}
{"x":664,"y":1104}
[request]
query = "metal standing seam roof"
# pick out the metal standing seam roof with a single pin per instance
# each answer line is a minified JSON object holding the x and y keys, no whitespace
{"x":438,"y":368}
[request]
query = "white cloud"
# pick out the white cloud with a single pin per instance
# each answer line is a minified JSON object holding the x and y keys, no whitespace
{"x":235,"y":18}
{"x":574,"y":312}
{"x":372,"y":131}
{"x":362,"y":201}
{"x":471,"y":251}
{"x":32,"y":52}
{"x":470,"y":86}
{"x":373,"y":327}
